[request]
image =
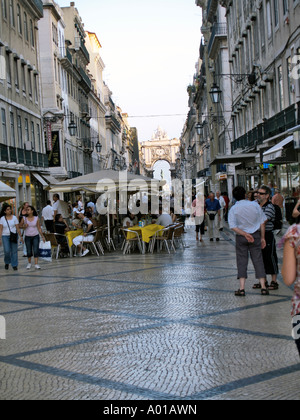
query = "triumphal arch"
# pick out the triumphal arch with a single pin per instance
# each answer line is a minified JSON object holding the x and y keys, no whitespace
{"x":160,"y":147}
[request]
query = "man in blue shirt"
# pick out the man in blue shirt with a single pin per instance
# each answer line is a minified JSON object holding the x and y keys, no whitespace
{"x":213,"y":208}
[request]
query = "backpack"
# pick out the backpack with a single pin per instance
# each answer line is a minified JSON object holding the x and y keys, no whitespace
{"x":278,"y":222}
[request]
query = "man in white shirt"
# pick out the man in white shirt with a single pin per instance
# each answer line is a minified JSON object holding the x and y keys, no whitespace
{"x":48,"y":217}
{"x":61,"y":207}
{"x":247,"y":220}
{"x":164,"y":219}
{"x":223,"y":205}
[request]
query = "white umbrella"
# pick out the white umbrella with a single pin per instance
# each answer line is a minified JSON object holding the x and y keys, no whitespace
{"x":108,"y":180}
{"x":6,"y":192}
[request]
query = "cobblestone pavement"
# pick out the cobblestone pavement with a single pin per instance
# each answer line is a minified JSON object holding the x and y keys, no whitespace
{"x":153,"y":327}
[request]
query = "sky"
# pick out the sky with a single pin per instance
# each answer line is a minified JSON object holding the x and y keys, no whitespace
{"x":150,"y":49}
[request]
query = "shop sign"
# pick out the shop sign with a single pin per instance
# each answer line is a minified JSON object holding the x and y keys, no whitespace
{"x":49,"y":136}
{"x":27,"y":179}
{"x":54,"y":154}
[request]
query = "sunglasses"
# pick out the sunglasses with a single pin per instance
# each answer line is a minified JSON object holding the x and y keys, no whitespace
{"x":261,"y":193}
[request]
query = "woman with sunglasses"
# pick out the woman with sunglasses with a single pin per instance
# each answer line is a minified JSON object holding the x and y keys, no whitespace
{"x":9,"y":224}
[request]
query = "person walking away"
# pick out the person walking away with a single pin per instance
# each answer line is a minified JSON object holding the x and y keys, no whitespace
{"x":269,"y":252}
{"x":198,"y":205}
{"x":48,"y":216}
{"x":9,"y":224}
{"x":33,"y":230}
{"x":291,"y":274}
{"x":227,"y":202}
{"x":213,"y":208}
{"x":247,"y":220}
{"x":222,"y":202}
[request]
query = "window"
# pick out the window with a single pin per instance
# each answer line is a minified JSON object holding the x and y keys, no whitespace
{"x":26,"y":130}
{"x":32,"y":135}
{"x":11,"y":13}
{"x":23,"y":79}
{"x":285,"y":6}
{"x":276,"y":12}
{"x":262,"y":27}
{"x":8,"y":69}
{"x":26,"y":27}
{"x":289,"y":79}
{"x":36,"y":96}
{"x":38,"y":130}
{"x":29,"y":84}
{"x":20,"y":137}
{"x":31,"y":34}
{"x":269,"y":20}
{"x":12,"y":130}
{"x":16,"y":72}
{"x":280,"y":87}
{"x":4,"y":129}
{"x":4,"y":9}
{"x":19,"y":19}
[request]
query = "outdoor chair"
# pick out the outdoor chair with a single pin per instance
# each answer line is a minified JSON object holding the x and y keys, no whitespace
{"x":162,"y":237}
{"x":129,"y":244}
{"x":56,"y":240}
{"x":177,"y":236}
{"x":95,"y":246}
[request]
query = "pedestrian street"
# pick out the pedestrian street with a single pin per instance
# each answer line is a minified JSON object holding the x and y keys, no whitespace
{"x":146,"y":327}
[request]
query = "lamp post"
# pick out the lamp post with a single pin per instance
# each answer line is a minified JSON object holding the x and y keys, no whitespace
{"x":72,"y":128}
{"x":98,"y":147}
{"x":215,"y":94}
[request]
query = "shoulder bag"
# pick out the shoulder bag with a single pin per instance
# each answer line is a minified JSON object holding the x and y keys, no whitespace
{"x":13,"y":236}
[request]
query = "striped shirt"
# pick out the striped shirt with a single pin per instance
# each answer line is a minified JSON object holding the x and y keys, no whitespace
{"x":270,"y":214}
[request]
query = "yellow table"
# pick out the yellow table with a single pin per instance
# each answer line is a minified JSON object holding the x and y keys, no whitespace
{"x":73,"y":234}
{"x":146,"y":232}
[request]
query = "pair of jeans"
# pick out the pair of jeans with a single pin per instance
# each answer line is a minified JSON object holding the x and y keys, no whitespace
{"x":32,"y":246}
{"x":10,"y":252}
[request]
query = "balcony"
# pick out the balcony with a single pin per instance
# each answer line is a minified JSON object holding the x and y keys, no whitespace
{"x":38,"y":6}
{"x":79,"y":44}
{"x":274,"y":126}
{"x":219,"y":32}
{"x":85,"y":81}
{"x":20,"y":156}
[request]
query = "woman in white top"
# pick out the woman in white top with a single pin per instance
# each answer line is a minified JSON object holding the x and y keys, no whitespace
{"x":9,"y":224}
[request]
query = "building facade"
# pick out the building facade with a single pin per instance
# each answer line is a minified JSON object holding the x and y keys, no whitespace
{"x":22,"y":150}
{"x":249,"y":57}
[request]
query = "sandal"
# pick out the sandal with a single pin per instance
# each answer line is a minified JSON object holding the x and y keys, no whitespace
{"x":274,"y":285}
{"x":258,"y":285}
{"x":265,"y":292}
{"x":240,"y":293}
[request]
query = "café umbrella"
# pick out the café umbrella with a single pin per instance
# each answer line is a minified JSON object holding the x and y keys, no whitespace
{"x":108,"y":181}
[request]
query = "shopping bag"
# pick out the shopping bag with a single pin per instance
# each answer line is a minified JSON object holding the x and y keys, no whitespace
{"x":45,"y":251}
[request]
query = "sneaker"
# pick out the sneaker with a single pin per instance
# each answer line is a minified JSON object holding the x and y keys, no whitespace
{"x":15,"y":268}
{"x":85,"y":252}
{"x":28,"y":266}
{"x":6,"y":266}
{"x":37,"y":267}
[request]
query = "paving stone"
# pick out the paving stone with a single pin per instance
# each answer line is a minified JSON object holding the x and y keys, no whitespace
{"x":145,"y":327}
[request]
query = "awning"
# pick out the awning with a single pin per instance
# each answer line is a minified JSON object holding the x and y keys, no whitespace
{"x":238,"y":158}
{"x":40,"y":179}
{"x":277,"y":151}
{"x":6,"y":192}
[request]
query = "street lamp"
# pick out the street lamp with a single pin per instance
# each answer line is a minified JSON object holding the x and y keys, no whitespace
{"x":98,"y":147}
{"x":199,"y":128}
{"x":215,"y":94}
{"x":72,"y":128}
{"x":190,"y":150}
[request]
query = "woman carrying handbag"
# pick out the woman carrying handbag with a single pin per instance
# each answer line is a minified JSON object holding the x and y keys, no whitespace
{"x":9,"y":231}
